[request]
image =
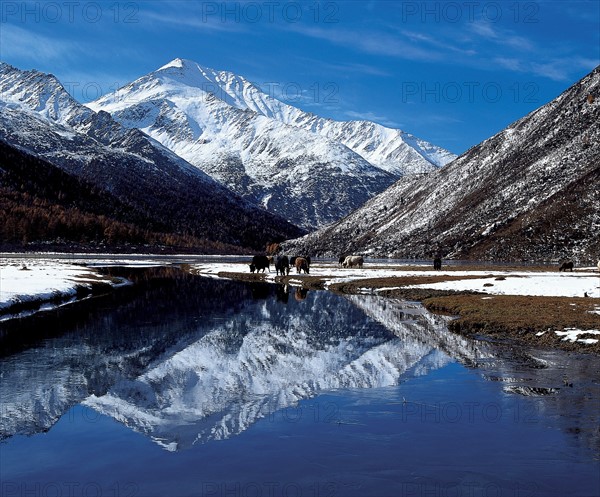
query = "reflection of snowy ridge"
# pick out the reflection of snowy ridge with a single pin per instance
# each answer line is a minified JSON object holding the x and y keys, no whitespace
{"x":410,"y":320}
{"x":201,"y":369}
{"x":30,"y":404}
{"x":212,"y":391}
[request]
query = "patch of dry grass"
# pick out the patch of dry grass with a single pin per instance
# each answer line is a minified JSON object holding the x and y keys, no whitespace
{"x":243,"y":276}
{"x":506,"y":317}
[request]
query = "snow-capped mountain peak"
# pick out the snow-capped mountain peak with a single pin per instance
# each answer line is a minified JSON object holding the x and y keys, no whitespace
{"x":387,"y":148}
{"x":309,"y":169}
{"x":39,"y":92}
{"x":40,"y":118}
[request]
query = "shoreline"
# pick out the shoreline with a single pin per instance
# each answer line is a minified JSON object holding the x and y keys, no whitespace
{"x":564,"y":321}
{"x":547,"y":311}
{"x":31,"y":286}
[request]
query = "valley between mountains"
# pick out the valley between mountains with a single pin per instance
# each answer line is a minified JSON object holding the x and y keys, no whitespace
{"x":188,"y":158}
{"x":191,"y":160}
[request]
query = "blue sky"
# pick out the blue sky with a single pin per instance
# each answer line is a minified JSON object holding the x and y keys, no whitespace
{"x":453,"y":73}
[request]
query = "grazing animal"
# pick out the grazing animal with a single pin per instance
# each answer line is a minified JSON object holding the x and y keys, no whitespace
{"x":282,"y":265}
{"x":301,"y":265}
{"x":341,"y":259}
{"x":353,"y":260}
{"x":437,"y":263}
{"x":566,"y":265}
{"x":598,"y":265}
{"x":260,"y":263}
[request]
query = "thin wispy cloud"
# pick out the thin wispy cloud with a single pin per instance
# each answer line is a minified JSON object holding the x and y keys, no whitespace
{"x":17,"y":42}
{"x":349,"y":69}
{"x":372,"y":42}
{"x":555,"y":61}
{"x":511,"y":51}
{"x":352,"y":69}
{"x":439,"y":43}
{"x":556,"y":68}
{"x":560,"y":69}
{"x":371,"y":116}
{"x":502,"y":37}
{"x":190,"y":19}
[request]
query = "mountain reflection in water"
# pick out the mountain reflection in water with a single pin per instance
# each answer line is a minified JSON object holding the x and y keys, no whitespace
{"x":192,"y":360}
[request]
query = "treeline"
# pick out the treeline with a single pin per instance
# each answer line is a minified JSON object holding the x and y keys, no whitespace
{"x":42,"y":205}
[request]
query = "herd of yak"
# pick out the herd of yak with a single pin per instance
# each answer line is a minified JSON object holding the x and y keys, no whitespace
{"x":283,"y":263}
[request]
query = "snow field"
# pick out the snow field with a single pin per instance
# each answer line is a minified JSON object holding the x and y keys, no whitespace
{"x":43,"y":280}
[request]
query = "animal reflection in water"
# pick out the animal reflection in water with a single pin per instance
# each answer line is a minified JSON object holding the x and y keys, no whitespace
{"x":300,"y":294}
{"x":282,"y":293}
{"x":260,"y":291}
{"x":263,"y":291}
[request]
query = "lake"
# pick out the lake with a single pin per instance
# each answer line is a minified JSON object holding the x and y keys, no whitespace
{"x":189,"y":386}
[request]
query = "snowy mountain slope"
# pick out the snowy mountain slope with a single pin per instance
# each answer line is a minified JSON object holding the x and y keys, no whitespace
{"x":38,"y":116}
{"x":308,"y":169}
{"x":530,"y":192}
{"x":390,"y":149}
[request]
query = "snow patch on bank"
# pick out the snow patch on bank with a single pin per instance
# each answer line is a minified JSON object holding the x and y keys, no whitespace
{"x":49,"y":282}
{"x":529,"y":284}
{"x":573,"y":334}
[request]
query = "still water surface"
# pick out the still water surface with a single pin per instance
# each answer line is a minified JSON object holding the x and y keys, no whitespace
{"x":187,"y":386}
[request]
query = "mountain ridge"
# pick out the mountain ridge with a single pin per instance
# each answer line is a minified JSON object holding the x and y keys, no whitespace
{"x":38,"y":116}
{"x":504,"y":199}
{"x":273,"y":154}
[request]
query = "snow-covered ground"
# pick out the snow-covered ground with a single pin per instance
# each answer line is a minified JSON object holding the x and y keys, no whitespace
{"x":546,"y":284}
{"x":43,"y":281}
{"x":540,"y":284}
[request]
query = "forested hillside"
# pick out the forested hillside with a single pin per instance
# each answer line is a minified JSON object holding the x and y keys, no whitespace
{"x":43,"y":206}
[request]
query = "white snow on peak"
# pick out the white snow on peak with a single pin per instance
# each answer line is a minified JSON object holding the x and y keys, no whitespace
{"x":213,"y":120}
{"x":391,"y":149}
{"x":313,"y":170}
{"x":40,"y":93}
